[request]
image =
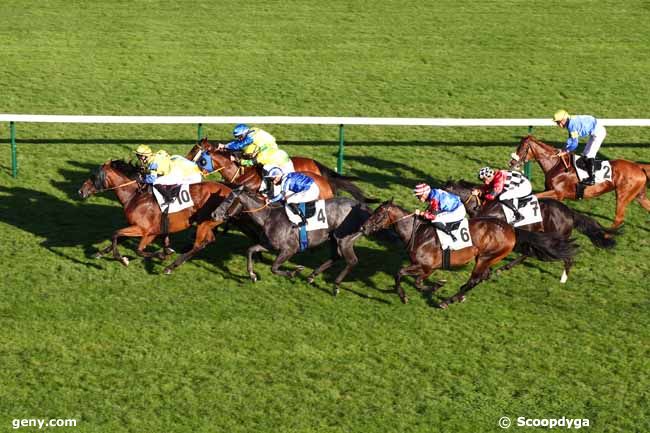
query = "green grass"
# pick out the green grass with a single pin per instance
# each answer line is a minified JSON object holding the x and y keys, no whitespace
{"x":129,"y":349}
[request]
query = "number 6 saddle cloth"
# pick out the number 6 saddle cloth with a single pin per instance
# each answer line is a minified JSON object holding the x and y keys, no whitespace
{"x":602,"y":169}
{"x":460,"y":231}
{"x":182,"y":200}
{"x":314,"y":213}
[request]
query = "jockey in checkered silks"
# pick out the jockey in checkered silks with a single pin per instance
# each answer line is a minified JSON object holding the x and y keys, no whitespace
{"x":506,"y":186}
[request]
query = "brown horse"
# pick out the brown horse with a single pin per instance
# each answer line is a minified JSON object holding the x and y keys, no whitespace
{"x":251,"y":177}
{"x":628,"y":178}
{"x":143,"y":212}
{"x":493,"y":240}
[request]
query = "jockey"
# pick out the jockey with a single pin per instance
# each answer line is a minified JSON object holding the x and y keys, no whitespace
{"x":582,"y":126}
{"x":274,"y":158}
{"x":505,"y":185}
{"x":295,"y":188}
{"x":444,"y":207}
{"x":164,"y":171}
{"x":253,"y":142}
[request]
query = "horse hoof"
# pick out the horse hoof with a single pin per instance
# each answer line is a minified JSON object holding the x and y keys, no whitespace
{"x":336,"y":291}
{"x":443,"y":305}
{"x":405,"y":299}
{"x":167,"y":271}
{"x":297,"y":271}
{"x":97,"y":255}
{"x":253,"y":276}
{"x":125,"y":261}
{"x":310,"y":280}
{"x":461,"y":299}
{"x":170,"y":251}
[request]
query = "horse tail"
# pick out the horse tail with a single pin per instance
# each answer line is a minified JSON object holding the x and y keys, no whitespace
{"x":597,"y":234}
{"x":544,"y":246}
{"x":344,"y":183}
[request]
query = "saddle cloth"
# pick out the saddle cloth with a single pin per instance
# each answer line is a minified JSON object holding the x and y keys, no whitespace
{"x":460,"y":230}
{"x":528,"y":207}
{"x":181,"y":201}
{"x":602,"y":169}
{"x":315,"y":214}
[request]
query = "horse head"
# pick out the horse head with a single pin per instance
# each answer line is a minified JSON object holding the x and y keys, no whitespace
{"x":110,"y":175}
{"x":381,"y":218}
{"x":231,"y":206}
{"x":522,"y":154}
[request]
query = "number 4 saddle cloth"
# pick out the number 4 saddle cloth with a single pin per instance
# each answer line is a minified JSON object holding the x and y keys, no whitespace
{"x":314,"y":213}
{"x":602,"y":169}
{"x":182,"y":199}
{"x":460,"y":237}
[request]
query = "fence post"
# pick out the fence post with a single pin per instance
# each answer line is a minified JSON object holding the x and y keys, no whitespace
{"x":199,"y":132}
{"x":14,"y":151}
{"x":339,"y":165}
{"x":527,"y":169}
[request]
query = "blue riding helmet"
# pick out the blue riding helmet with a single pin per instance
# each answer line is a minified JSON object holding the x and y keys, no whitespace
{"x":241,"y":131}
{"x":274,"y":172}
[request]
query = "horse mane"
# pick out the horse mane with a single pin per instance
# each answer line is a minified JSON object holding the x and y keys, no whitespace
{"x":127,"y":168}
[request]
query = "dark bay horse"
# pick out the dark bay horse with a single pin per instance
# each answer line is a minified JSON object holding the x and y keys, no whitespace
{"x":143,"y":212}
{"x":556,"y":218}
{"x":344,"y":218}
{"x":493,"y":240}
{"x":629,"y":178}
{"x":234,"y":174}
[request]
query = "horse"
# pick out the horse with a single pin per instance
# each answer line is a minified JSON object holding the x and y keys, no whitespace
{"x":492,"y":239}
{"x":234,"y":174}
{"x":556,"y":218}
{"x":344,"y":218}
{"x":629,"y":178}
{"x":143,"y":212}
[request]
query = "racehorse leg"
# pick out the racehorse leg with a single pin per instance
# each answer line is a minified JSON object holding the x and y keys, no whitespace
{"x":328,"y":263}
{"x":346,"y":248}
{"x":103,"y":251}
{"x":480,"y":273}
{"x":131,"y":231}
{"x":167,"y":249}
{"x":413,"y":269}
{"x":249,"y":265}
{"x":511,"y":264}
{"x":623,"y":198}
{"x":144,"y":242}
{"x":204,"y":237}
{"x":550,"y":194}
{"x":282,"y":257}
{"x":643,"y":200}
{"x":419,"y":283}
{"x":568,"y":263}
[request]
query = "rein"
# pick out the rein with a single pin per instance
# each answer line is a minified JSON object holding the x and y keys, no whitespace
{"x":256,"y":210}
{"x":118,"y":186}
{"x":478,"y":199}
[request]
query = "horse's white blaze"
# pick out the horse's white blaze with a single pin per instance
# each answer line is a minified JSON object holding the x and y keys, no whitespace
{"x":514,"y":156}
{"x":564,"y":277}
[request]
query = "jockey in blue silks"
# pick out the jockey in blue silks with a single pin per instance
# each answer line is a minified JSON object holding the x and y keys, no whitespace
{"x":443,"y":207}
{"x":295,"y":188}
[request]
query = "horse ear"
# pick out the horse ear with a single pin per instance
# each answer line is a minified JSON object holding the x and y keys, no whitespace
{"x":391,"y":200}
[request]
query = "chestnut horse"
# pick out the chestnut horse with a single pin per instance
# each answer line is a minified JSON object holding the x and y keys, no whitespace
{"x":143,"y":212}
{"x":493,"y":240}
{"x":629,"y":178}
{"x":251,"y":177}
{"x":556,"y":218}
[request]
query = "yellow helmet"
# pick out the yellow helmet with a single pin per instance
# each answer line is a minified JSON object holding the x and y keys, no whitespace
{"x":560,"y":115}
{"x":143,"y":149}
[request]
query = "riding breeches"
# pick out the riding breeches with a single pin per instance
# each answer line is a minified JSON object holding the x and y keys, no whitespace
{"x":176,"y":178}
{"x":310,"y":194}
{"x":595,"y":140}
{"x":453,"y":216}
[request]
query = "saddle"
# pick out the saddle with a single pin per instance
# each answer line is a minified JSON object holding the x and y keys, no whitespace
{"x":580,"y":163}
{"x":310,"y":209}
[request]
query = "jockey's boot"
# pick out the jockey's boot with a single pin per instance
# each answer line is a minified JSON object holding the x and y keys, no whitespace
{"x":295,"y":208}
{"x":511,"y":204}
{"x":443,"y":227}
{"x":589,"y":166}
{"x":168,"y":192}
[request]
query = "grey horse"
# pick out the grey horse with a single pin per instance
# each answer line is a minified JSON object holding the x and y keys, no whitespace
{"x":345,"y":217}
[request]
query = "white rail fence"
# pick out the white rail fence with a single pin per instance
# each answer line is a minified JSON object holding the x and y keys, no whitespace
{"x":13,"y":119}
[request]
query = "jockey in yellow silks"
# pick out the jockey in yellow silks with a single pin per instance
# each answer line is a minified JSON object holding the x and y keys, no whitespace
{"x":161,"y":169}
{"x":260,"y":146}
